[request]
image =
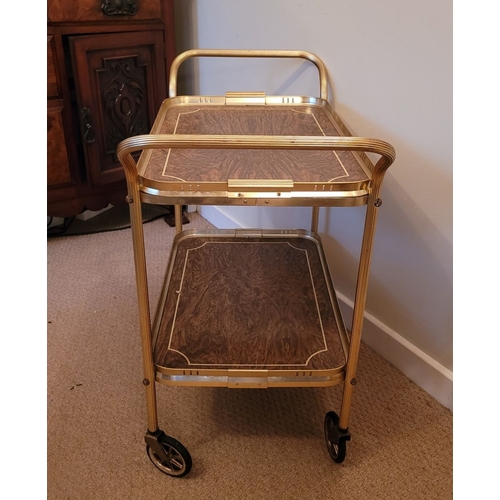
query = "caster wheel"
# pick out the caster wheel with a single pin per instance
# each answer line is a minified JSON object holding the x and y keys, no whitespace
{"x":335,"y":440}
{"x":178,"y":461}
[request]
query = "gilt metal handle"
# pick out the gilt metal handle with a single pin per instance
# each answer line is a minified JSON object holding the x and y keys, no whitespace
{"x":119,"y":7}
{"x":301,"y":54}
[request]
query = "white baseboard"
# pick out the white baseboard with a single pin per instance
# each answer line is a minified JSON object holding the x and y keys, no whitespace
{"x":219,"y":217}
{"x":425,"y":371}
{"x":418,"y":366}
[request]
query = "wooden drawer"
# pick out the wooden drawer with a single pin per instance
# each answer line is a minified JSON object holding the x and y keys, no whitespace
{"x":103,"y":10}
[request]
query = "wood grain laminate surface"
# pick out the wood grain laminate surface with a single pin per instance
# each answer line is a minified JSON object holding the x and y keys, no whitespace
{"x":214,"y":165}
{"x":246,"y":303}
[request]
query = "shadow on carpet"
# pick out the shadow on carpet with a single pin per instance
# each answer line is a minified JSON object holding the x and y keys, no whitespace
{"x":113,"y":219}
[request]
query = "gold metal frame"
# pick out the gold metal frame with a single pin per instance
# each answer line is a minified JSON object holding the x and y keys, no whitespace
{"x":138,"y":192}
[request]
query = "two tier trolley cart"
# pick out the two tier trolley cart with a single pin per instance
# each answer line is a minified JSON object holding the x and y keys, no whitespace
{"x":249,"y":308}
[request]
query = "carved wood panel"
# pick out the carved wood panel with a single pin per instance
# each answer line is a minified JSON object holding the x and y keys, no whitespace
{"x":121,"y":83}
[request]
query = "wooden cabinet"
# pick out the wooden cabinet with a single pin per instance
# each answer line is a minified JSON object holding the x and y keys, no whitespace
{"x":107,"y":68}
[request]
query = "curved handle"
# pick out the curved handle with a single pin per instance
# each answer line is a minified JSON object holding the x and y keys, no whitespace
{"x":301,"y":54}
{"x":186,"y":141}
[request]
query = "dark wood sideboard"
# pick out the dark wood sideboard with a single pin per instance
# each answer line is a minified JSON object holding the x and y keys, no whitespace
{"x":107,"y":70}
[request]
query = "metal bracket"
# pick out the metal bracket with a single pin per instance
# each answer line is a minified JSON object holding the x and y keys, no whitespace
{"x":246,"y":98}
{"x":152,"y":440}
{"x":336,"y":435}
{"x":247,"y":379}
{"x":260,"y":184}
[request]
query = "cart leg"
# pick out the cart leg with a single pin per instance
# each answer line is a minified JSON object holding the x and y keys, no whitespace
{"x":143,"y":300}
{"x":166,"y":453}
{"x":336,"y":429}
{"x":178,"y":218}
{"x":359,"y":307}
{"x":315,"y":219}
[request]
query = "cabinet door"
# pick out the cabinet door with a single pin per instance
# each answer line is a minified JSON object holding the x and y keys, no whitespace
{"x":120,"y":82}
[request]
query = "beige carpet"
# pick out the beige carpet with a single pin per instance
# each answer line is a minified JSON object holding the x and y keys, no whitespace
{"x":245,"y":444}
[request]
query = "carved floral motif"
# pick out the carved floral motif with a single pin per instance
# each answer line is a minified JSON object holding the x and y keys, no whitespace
{"x":124,"y":101}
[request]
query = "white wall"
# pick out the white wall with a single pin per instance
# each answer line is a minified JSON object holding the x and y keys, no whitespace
{"x":390,"y":65}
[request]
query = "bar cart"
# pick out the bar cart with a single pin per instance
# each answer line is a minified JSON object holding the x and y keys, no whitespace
{"x":249,"y":308}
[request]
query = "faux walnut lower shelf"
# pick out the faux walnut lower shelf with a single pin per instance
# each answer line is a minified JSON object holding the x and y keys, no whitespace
{"x":249,"y":308}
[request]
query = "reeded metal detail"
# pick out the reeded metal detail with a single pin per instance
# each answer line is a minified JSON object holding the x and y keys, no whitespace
{"x":197,"y":141}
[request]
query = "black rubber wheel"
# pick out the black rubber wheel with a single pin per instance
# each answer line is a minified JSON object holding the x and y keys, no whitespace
{"x":179,"y":461}
{"x":337,"y":451}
